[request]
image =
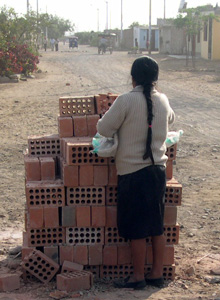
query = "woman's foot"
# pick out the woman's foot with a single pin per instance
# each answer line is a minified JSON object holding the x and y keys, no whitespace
{"x":130,"y":283}
{"x":154,"y":281}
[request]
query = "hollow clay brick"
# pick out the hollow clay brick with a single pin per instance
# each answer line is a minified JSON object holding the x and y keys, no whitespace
{"x":100,"y":175}
{"x":9,"y":282}
{"x":98,"y":214}
{"x":65,"y":126}
{"x":51,"y":217}
{"x":80,"y":126}
{"x":74,"y":281}
{"x":69,"y":266}
{"x":86,"y":175}
{"x":112,"y":175}
{"x":95,"y":255}
{"x":83,"y":216}
{"x":92,"y":121}
{"x":36,"y":217}
{"x":32,"y":168}
{"x":47,"y":165}
{"x":110,"y":256}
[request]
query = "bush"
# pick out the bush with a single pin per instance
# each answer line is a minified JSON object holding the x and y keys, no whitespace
{"x":16,"y":59}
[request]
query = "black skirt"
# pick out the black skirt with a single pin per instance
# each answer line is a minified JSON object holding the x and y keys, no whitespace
{"x":140,"y":203}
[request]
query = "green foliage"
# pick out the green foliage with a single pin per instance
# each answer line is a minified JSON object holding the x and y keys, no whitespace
{"x":20,"y":36}
{"x":87,"y":38}
{"x":134,"y":24}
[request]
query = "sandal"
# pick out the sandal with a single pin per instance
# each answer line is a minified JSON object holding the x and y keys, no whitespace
{"x":157,"y":282}
{"x":137,"y":285}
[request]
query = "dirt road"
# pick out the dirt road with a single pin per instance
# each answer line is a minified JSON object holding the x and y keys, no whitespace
{"x":31,"y":108}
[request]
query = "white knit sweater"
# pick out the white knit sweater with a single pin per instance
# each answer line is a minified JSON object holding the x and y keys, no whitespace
{"x":128,"y":117}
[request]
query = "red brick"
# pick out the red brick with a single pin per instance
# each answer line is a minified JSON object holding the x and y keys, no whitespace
{"x":124,"y":255}
{"x":170,"y":215}
{"x":69,"y":266}
{"x":36,"y":217}
{"x":83,"y":216}
{"x":26,"y":251}
{"x":80,"y":255}
{"x":112,"y":175}
{"x":9,"y":282}
{"x":68,"y":216}
{"x":168,"y":255}
{"x":169,"y":169}
{"x":171,"y":152}
{"x":86,"y":176}
{"x":104,"y":101}
{"x":91,"y":124}
{"x":110,"y":257}
{"x":77,"y":105}
{"x":65,"y":126}
{"x":95,"y":255}
{"x":74,"y":281}
{"x":98,"y":216}
{"x":46,"y":237}
{"x":51,"y":217}
{"x":66,"y":253}
{"x":70,"y":175}
{"x":25,"y":239}
{"x":111,"y":216}
{"x":47,"y":168}
{"x":44,"y":145}
{"x":32,"y":168}
{"x":80,"y":126}
{"x":52,"y":252}
{"x":100,"y":175}
{"x":41,"y":266}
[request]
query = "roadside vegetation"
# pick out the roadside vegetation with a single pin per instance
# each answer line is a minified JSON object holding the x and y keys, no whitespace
{"x":21,"y":36}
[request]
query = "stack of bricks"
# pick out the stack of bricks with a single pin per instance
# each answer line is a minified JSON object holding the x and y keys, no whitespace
{"x":71,"y":203}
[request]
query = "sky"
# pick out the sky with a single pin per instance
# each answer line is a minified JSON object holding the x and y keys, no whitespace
{"x":97,"y":15}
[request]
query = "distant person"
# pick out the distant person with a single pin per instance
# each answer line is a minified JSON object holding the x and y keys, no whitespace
{"x":56,"y":44}
{"x":103,"y":43}
{"x":52,"y":43}
{"x":45,"y":43}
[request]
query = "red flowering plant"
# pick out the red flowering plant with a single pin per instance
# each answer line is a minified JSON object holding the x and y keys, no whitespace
{"x":16,"y":59}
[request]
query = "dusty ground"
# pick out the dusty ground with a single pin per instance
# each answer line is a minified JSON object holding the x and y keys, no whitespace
{"x":31,"y":107}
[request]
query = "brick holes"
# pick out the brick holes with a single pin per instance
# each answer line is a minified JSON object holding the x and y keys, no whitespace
{"x":45,"y":196}
{"x":76,"y":106}
{"x":111,"y":195}
{"x":112,"y":237}
{"x":46,"y":236}
{"x":86,"y":196}
{"x":44,"y":146}
{"x":85,"y":235}
{"x":82,"y":155}
{"x":173,"y":194}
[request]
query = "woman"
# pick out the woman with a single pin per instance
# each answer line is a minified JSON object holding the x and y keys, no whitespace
{"x":141,"y":119}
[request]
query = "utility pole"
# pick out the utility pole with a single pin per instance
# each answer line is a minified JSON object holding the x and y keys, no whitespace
{"x":121,"y":20}
{"x":97,"y":20}
{"x":106,"y":15}
{"x":28,"y":7}
{"x":164,"y":16}
{"x":149,"y":38}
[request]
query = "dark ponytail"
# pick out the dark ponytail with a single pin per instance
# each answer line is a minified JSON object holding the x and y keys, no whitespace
{"x":145,"y":72}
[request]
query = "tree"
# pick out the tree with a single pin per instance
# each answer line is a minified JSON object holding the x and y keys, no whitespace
{"x":193,"y":21}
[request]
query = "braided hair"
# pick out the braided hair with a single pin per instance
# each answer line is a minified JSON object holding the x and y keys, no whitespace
{"x":145,"y":71}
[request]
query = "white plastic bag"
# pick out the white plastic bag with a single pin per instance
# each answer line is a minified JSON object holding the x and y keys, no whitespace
{"x":105,"y":147}
{"x":173,"y":137}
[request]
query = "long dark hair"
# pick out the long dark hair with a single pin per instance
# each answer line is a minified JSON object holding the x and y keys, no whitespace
{"x":145,"y":72}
